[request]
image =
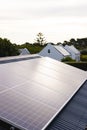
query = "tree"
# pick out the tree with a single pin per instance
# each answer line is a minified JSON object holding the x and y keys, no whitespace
{"x":40,"y":39}
{"x":7,"y":48}
{"x":65,"y":43}
{"x":72,"y":41}
{"x":59,"y":43}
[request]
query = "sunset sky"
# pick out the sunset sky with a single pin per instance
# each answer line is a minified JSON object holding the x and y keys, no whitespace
{"x":58,"y":20}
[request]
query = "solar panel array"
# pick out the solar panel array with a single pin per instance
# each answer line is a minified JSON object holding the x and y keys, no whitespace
{"x":32,"y":92}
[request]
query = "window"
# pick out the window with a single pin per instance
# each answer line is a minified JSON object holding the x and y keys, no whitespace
{"x":48,"y":50}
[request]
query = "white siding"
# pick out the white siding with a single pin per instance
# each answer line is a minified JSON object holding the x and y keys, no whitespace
{"x":54,"y":53}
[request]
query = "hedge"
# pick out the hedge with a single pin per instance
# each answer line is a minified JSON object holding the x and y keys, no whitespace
{"x":83,"y":58}
{"x":80,"y":65}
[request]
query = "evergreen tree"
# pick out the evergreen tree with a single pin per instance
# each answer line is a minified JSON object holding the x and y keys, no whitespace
{"x":40,"y":39}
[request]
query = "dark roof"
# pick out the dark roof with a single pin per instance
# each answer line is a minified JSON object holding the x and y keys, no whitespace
{"x":74,"y":115}
{"x":1,"y":128}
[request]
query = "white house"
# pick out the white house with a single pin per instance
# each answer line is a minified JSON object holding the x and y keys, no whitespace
{"x":24,"y":51}
{"x":57,"y":52}
{"x":75,"y":54}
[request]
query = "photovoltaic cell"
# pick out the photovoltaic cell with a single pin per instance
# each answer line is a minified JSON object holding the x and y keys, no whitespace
{"x":32,"y":92}
{"x":24,"y":110}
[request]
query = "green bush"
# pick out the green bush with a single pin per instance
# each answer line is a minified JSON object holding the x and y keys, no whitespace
{"x":83,"y":58}
{"x":7,"y":48}
{"x":80,"y":65}
{"x":67,"y":59}
{"x":33,"y":48}
{"x":84,"y":52}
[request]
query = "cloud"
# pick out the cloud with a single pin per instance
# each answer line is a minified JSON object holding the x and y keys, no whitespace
{"x":39,"y":9}
{"x":23,"y":19}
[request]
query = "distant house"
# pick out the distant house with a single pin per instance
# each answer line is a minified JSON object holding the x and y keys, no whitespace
{"x":75,"y":54}
{"x":57,"y":52}
{"x":24,"y":51}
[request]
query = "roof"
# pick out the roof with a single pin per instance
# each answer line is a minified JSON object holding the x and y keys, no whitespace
{"x":33,"y":90}
{"x":1,"y":128}
{"x":61,"y":50}
{"x":24,"y":51}
{"x":74,"y":115}
{"x":72,"y":48}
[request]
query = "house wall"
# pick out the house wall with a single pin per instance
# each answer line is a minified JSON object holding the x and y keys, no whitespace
{"x":53,"y":53}
{"x":77,"y":57}
{"x":73,"y":54}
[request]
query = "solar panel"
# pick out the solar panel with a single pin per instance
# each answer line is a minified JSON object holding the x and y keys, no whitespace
{"x":33,"y":92}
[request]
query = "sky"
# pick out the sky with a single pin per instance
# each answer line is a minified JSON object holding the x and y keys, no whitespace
{"x":58,"y":20}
